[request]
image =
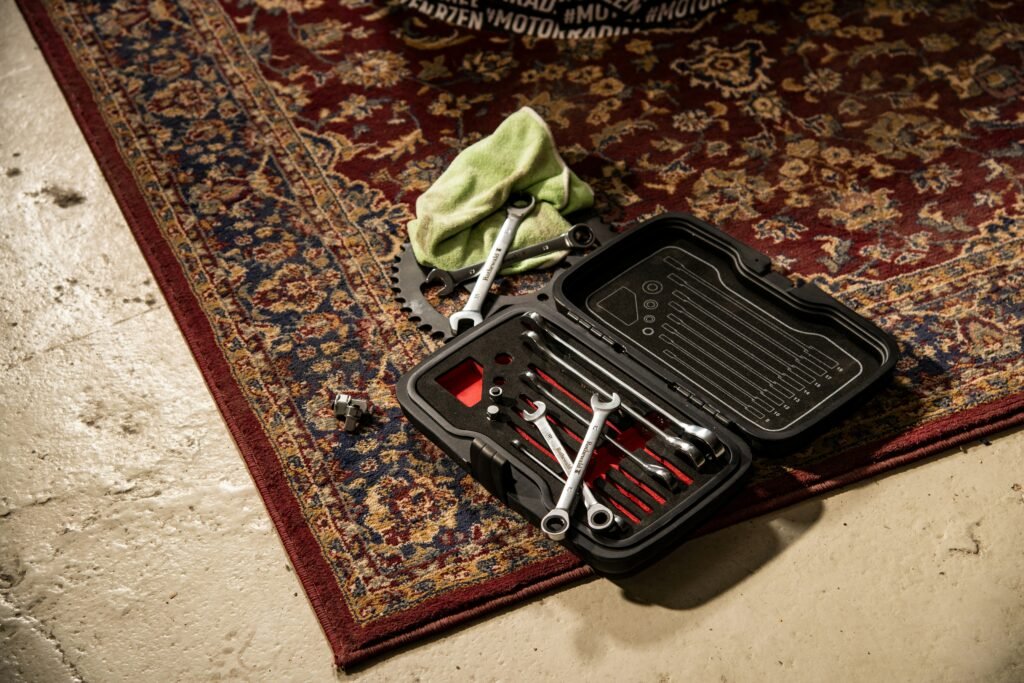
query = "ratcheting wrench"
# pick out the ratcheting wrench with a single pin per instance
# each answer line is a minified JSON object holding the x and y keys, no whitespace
{"x":577,"y":237}
{"x":657,"y":473}
{"x":706,"y":435}
{"x":519,"y":207}
{"x":618,"y":523}
{"x":556,"y":523}
{"x":691,"y":451}
{"x":598,"y":516}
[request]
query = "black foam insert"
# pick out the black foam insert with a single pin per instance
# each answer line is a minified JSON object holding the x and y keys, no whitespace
{"x":617,"y":478}
{"x":706,"y":314}
{"x":692,"y":314}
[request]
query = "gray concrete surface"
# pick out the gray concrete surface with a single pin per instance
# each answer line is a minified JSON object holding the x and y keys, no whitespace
{"x":134,"y":547}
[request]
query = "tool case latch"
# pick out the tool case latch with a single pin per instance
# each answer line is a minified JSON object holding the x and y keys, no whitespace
{"x":490,"y":468}
{"x":779,"y":281}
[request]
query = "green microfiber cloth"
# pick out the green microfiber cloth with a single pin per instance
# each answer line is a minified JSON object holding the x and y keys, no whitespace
{"x":458,"y":217}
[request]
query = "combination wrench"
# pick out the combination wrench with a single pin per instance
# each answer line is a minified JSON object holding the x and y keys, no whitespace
{"x":519,"y":207}
{"x":709,"y":438}
{"x":556,"y":523}
{"x":656,"y":473}
{"x":577,"y":237}
{"x":624,"y":475}
{"x":620,"y":524}
{"x":692,"y":452}
{"x":599,"y":517}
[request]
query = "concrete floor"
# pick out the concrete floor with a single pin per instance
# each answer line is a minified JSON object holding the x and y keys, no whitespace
{"x":134,"y":547}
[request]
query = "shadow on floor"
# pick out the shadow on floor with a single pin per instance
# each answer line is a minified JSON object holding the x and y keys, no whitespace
{"x":704,"y":568}
{"x":707,"y":566}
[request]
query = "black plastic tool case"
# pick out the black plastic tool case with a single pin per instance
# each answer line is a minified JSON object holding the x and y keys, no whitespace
{"x":693,"y":320}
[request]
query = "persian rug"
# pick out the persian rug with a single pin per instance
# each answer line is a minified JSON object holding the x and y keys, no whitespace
{"x":268,"y":153}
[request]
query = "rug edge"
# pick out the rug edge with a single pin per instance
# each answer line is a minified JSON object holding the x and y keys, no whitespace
{"x":142,"y":225}
{"x":244,"y":428}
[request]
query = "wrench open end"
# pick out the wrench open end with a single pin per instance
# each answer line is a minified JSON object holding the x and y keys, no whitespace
{"x":538,"y":412}
{"x":462,"y":320}
{"x":599,"y":404}
{"x":442,"y":277}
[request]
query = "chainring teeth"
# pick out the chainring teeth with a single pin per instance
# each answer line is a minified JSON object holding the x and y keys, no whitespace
{"x":408,"y":278}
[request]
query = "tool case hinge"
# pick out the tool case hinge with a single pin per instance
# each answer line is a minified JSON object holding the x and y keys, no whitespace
{"x":592,"y":329}
{"x":710,"y":410}
{"x":576,"y":319}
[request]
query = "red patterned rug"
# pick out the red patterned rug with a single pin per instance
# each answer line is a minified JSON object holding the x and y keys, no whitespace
{"x":267,"y":155}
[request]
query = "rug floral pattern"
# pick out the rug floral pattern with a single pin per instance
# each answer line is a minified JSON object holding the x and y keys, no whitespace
{"x":871,"y":147}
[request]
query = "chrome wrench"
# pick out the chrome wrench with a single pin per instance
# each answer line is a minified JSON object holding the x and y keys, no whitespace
{"x":556,"y":523}
{"x":619,"y":522}
{"x":657,"y":473}
{"x":599,"y":517}
{"x":519,"y":207}
{"x":626,"y":475}
{"x":712,"y":441}
{"x":691,"y":451}
{"x":579,"y":236}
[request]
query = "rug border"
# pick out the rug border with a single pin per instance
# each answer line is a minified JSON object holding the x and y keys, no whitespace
{"x":349,"y":642}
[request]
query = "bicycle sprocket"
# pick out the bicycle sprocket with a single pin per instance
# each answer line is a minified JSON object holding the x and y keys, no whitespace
{"x":409,"y":286}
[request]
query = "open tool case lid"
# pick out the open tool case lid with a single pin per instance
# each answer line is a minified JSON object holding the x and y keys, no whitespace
{"x":695,"y":320}
{"x":766,"y":357}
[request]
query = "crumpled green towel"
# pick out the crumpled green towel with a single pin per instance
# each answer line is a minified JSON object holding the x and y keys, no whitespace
{"x":458,"y":217}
